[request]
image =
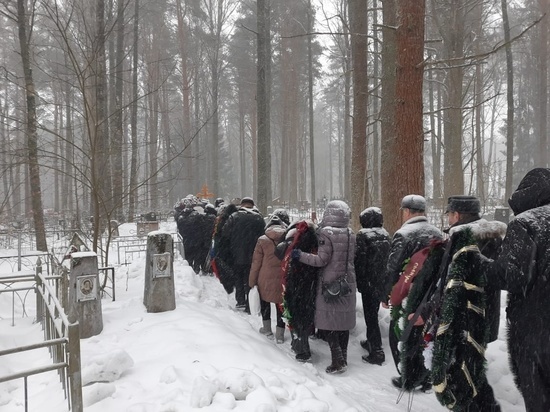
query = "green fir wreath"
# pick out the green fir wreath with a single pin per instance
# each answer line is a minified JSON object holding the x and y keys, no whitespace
{"x":459,"y":365}
{"x":411,"y":349}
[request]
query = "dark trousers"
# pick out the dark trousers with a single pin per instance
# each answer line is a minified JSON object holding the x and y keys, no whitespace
{"x":338,"y":339}
{"x":265,"y":310}
{"x":300,"y":340}
{"x":370,"y":309}
{"x":241,"y":273}
{"x":531,"y":364}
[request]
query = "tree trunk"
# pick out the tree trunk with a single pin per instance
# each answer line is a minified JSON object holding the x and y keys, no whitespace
{"x":359,"y":46}
{"x":187,"y":132}
{"x":409,"y":168}
{"x":310,"y":99}
{"x":31,"y":130}
{"x":478,"y":110}
{"x":391,"y":196}
{"x":262,"y":105}
{"x":347,"y":112}
{"x":510,"y":102}
{"x":376,"y":190}
{"x":132,"y":201}
{"x":117,"y":129}
{"x":453,"y":40}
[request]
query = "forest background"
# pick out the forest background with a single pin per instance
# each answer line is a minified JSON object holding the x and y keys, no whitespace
{"x":114,"y":108}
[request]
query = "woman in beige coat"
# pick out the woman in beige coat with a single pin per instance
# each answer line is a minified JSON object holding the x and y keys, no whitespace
{"x":265,"y":273}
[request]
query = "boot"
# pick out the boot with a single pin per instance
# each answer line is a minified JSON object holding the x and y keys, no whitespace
{"x":266,"y":328}
{"x":376,"y":357}
{"x":279,"y":335}
{"x":338,"y":364}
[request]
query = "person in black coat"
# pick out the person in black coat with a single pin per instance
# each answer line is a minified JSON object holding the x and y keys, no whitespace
{"x":190,"y":237}
{"x":464,"y":212}
{"x":416,"y":233}
{"x":220,"y":252}
{"x":371,"y":257}
{"x":456,"y":304}
{"x":299,"y":286}
{"x":523,"y":269}
{"x":242,"y":230}
{"x":206,"y":229}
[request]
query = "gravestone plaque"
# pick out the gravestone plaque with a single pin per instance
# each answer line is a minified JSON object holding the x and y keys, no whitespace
{"x":159,"y":291}
{"x":86,"y":288}
{"x":84,"y":301}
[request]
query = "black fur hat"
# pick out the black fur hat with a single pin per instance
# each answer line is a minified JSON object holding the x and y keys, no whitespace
{"x":463,"y":204}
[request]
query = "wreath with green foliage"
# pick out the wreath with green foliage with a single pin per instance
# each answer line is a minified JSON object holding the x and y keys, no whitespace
{"x":459,"y":365}
{"x":411,"y":349}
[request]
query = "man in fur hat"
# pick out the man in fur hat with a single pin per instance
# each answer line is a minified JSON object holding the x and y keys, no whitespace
{"x":479,"y":319}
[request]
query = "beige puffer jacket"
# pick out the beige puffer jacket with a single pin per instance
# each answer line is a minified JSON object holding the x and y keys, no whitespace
{"x":265,"y":271}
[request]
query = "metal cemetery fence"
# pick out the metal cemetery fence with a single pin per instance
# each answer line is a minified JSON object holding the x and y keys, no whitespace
{"x":60,"y":337}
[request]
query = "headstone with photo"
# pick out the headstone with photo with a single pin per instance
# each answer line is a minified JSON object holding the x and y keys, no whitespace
{"x":159,"y":294}
{"x":502,"y":214}
{"x":84,"y":297}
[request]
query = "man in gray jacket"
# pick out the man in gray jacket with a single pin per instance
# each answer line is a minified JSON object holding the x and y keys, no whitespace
{"x":416,"y":233}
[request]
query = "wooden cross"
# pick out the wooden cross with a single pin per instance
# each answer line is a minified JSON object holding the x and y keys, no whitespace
{"x":204,"y":193}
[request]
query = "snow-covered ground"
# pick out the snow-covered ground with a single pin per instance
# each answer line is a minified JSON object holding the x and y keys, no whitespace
{"x":206,"y":356}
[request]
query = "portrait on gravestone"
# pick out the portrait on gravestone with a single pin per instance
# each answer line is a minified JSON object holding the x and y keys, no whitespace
{"x":86,"y":287}
{"x":161,"y":265}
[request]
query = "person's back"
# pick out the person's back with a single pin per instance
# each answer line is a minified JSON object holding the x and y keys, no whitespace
{"x":488,"y":236}
{"x":265,"y":273}
{"x":523,"y":269}
{"x":243,"y":228}
{"x":415,"y":234}
{"x":372,"y":250}
{"x":335,"y":256}
{"x":371,"y":256}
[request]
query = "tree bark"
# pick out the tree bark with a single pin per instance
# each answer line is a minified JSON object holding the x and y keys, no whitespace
{"x":132,"y":201}
{"x":510,"y":103}
{"x":409,"y":167}
{"x":359,"y":46}
{"x":31,"y":129}
{"x":310,"y":99}
{"x":391,"y":196}
{"x":263,"y":106}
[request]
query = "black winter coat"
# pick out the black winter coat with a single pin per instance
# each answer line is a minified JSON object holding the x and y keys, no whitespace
{"x":299,"y":280}
{"x":242,"y":230}
{"x":415,"y":234}
{"x":523,"y":266}
{"x":371,"y":257}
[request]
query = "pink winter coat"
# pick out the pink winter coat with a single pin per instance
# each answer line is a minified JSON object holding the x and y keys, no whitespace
{"x":266,"y":267}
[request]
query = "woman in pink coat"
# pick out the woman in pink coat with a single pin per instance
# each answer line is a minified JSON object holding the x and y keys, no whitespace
{"x":265,"y":273}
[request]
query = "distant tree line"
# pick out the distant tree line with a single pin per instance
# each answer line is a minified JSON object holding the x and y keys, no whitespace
{"x":113,"y":108}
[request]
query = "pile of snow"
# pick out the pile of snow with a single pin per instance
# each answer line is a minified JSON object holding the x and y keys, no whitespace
{"x":207,"y":356}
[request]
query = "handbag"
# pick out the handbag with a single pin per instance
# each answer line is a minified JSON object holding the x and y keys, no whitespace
{"x":338,"y":288}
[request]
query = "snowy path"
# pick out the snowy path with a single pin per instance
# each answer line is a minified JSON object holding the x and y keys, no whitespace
{"x":205,"y":353}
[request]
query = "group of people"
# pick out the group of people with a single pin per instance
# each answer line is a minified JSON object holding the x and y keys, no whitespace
{"x":442,"y":288}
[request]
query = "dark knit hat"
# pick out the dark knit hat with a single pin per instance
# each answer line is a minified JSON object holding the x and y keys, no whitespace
{"x":247,"y":201}
{"x":463,"y":204}
{"x":414,"y":202}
